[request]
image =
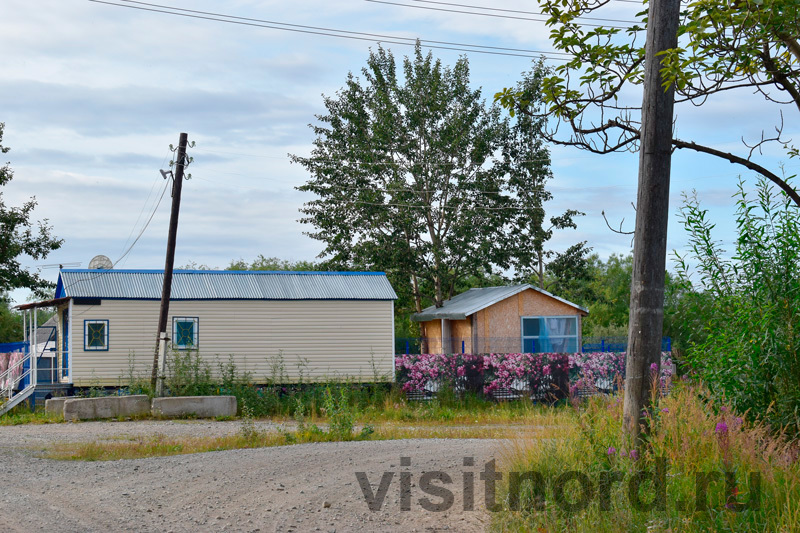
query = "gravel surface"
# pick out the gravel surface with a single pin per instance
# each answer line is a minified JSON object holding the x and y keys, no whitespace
{"x":306,"y":487}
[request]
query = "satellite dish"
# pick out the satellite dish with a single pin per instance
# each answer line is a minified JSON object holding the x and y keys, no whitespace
{"x":99,"y":262}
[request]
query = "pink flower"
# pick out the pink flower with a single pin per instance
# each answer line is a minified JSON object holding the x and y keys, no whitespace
{"x":721,"y":428}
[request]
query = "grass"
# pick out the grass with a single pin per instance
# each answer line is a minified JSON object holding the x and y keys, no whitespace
{"x":698,"y":440}
{"x":22,"y":415}
{"x":161,"y":445}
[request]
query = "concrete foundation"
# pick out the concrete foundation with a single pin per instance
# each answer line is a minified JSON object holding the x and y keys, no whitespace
{"x":106,"y":407}
{"x":199,"y":406}
{"x":54,"y":406}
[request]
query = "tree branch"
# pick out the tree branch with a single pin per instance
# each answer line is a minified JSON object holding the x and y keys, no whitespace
{"x":777,"y":180}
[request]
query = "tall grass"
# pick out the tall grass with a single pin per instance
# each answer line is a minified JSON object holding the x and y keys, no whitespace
{"x":720,"y":473}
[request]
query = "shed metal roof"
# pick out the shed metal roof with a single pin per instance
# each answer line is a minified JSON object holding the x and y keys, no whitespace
{"x":225,"y":285}
{"x":467,"y":303}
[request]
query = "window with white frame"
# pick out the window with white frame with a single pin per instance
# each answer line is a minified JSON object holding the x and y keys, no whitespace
{"x":184,"y":332}
{"x":95,"y":335}
{"x":549,"y":334}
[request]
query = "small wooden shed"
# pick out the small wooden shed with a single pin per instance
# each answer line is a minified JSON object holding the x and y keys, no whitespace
{"x":517,"y":318}
{"x":323,"y":325}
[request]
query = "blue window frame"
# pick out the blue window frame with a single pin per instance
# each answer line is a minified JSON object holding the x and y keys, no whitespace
{"x":95,"y":335}
{"x":184,"y":332}
{"x":549,"y":334}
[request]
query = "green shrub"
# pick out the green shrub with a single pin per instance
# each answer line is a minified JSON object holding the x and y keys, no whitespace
{"x":744,"y":307}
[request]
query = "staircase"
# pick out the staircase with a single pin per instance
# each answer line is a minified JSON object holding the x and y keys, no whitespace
{"x":17,"y":382}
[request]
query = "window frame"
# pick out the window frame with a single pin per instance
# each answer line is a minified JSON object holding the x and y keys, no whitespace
{"x":106,"y":335}
{"x":523,"y":337}
{"x":195,"y":332}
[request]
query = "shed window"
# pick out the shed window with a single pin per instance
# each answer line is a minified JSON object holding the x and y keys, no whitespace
{"x":184,"y":332}
{"x":549,"y":334}
{"x":95,"y":335}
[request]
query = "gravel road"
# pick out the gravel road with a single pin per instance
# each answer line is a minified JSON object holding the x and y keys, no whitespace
{"x":306,"y":487}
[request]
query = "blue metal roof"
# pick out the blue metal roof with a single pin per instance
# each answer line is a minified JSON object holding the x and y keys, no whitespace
{"x":225,"y":285}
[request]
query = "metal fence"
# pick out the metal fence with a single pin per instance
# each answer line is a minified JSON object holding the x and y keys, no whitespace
{"x":478,"y":345}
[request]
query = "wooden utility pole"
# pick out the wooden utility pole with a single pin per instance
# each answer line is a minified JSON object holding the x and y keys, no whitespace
{"x":160,"y":356}
{"x":652,"y":212}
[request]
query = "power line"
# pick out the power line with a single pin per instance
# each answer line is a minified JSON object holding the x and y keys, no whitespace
{"x":126,"y":252}
{"x":332,"y":32}
{"x":144,"y":206}
{"x":493,"y":15}
{"x":521,"y":12}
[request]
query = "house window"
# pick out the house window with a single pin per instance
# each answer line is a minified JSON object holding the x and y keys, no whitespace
{"x":184,"y":332}
{"x":95,"y":335}
{"x":549,"y":334}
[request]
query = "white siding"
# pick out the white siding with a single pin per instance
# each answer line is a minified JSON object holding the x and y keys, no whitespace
{"x":334,"y":339}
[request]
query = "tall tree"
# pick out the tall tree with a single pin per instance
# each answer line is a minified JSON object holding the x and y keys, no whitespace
{"x":419,"y":178}
{"x":527,"y":148}
{"x":19,"y":237}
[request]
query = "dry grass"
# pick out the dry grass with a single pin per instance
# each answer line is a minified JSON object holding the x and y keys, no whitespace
{"x":162,"y":445}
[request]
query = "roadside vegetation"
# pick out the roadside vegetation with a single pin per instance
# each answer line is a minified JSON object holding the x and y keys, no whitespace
{"x":719,"y":472}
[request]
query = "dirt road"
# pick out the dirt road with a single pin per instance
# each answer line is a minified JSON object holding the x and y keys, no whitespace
{"x":307,"y":487}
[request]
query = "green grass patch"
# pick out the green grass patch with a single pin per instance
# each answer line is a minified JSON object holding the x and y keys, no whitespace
{"x":21,"y":414}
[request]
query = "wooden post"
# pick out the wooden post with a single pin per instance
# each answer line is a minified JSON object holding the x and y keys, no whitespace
{"x":652,"y":213}
{"x":159,"y":358}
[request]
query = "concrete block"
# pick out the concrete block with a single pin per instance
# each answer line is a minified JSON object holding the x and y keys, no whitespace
{"x":199,"y":406}
{"x":54,"y":406}
{"x":106,"y":407}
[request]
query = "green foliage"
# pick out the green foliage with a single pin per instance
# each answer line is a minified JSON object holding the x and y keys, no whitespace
{"x":418,"y":178}
{"x":188,"y":374}
{"x":10,"y":322}
{"x":275,"y":264}
{"x":747,"y":306}
{"x":722,"y":46}
{"x":19,"y":237}
{"x":341,"y":417}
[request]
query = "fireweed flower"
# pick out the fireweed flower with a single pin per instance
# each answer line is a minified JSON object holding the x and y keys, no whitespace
{"x":634,"y":455}
{"x":721,"y":428}
{"x":611,"y":450}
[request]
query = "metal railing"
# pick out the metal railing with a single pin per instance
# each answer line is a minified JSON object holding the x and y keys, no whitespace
{"x":18,"y":375}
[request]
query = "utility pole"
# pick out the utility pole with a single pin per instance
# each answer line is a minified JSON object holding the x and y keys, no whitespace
{"x":160,"y":356}
{"x":652,"y":213}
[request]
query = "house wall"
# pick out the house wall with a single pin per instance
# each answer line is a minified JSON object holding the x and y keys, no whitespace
{"x":458,"y":330}
{"x":501,"y":322}
{"x":335,"y":339}
{"x":432,"y":336}
{"x":461,"y":331}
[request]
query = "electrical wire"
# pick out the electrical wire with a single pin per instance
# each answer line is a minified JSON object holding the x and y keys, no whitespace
{"x":521,"y":12}
{"x":141,"y":211}
{"x":493,"y":15}
{"x":331,"y":32}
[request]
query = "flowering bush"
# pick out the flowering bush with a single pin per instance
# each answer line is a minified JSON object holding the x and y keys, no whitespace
{"x":540,"y":373}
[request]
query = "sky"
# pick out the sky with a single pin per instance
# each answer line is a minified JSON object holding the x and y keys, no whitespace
{"x":92,"y":95}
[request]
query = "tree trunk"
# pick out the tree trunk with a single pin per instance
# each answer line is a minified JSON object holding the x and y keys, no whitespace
{"x":652,"y":213}
{"x":417,"y":296}
{"x":541,"y":271}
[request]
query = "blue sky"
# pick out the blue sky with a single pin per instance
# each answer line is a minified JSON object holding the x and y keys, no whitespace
{"x":92,"y":96}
